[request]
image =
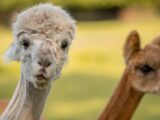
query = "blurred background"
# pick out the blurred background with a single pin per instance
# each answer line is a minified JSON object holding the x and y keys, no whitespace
{"x":95,"y":62}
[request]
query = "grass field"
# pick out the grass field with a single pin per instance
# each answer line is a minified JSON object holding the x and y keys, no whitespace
{"x":92,"y":72}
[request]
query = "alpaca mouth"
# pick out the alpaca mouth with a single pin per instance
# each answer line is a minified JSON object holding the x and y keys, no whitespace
{"x":41,"y":77}
{"x":41,"y":81}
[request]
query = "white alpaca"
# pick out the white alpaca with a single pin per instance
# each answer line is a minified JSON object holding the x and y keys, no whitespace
{"x":43,"y":34}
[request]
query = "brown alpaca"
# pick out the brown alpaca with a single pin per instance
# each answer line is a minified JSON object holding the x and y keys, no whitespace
{"x":3,"y":105}
{"x":142,"y":75}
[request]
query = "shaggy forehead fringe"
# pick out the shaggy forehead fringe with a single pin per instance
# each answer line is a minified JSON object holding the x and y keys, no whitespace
{"x":35,"y":15}
{"x":48,"y":7}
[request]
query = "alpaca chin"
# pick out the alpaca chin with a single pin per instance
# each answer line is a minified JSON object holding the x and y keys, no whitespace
{"x":41,"y":85}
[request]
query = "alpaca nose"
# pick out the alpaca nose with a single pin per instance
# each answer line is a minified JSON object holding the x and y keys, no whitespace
{"x":45,"y":56}
{"x":45,"y":63}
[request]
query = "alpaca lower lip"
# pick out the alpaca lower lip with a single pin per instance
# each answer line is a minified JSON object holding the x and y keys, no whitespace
{"x":40,"y":77}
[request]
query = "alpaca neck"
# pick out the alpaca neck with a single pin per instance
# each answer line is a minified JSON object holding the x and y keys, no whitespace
{"x":124,"y":101}
{"x":27,"y":102}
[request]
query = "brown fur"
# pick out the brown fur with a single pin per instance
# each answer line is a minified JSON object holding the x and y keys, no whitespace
{"x":142,"y":75}
{"x":3,"y":105}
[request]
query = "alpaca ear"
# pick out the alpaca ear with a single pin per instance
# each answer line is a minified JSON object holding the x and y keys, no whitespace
{"x":132,"y":45}
{"x":13,"y":53}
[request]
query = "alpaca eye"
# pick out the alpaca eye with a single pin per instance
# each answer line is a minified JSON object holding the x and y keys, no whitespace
{"x":64,"y":45}
{"x":145,"y":69}
{"x":25,"y":44}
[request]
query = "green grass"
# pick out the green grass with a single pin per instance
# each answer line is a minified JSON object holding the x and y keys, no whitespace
{"x":92,"y":72}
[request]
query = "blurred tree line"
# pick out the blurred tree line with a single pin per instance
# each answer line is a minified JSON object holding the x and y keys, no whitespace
{"x":79,"y":8}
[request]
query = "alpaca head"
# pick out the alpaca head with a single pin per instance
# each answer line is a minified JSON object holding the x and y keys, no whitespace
{"x":143,"y":64}
{"x":43,"y":35}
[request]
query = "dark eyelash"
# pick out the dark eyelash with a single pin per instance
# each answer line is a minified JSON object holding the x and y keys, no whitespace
{"x":25,"y":44}
{"x":145,"y":69}
{"x":64,"y":45}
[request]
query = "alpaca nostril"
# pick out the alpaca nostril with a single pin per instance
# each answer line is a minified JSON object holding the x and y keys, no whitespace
{"x":45,"y":63}
{"x":48,"y":64}
{"x":40,"y":63}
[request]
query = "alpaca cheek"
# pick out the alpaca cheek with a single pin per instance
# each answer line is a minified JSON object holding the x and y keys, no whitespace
{"x":50,"y":71}
{"x":35,"y":68}
{"x":57,"y":72}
